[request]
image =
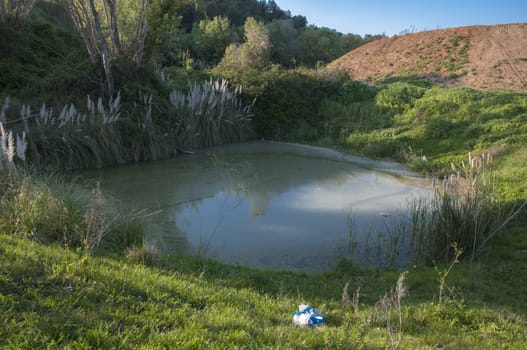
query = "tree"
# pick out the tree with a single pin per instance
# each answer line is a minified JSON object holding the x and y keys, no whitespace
{"x":253,"y":54}
{"x":101,"y":24}
{"x":15,"y":8}
{"x":320,"y":45}
{"x":256,"y":50}
{"x":211,"y":38}
{"x":273,"y":12}
{"x":300,"y":22}
{"x":165,"y":42}
{"x":284,"y":37}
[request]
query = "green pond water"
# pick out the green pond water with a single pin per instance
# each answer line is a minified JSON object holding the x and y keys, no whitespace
{"x":271,"y":205}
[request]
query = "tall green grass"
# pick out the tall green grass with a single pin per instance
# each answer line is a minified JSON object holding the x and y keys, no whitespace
{"x":52,"y":210}
{"x":464,"y":211}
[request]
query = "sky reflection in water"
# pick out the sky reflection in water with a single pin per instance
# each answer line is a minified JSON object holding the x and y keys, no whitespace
{"x":265,"y":209}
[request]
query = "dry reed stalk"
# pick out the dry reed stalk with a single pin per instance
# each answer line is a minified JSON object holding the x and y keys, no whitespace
{"x":96,"y":225}
{"x":389,"y":304}
{"x":8,"y":149}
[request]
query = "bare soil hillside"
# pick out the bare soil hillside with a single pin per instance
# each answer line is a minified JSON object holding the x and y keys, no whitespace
{"x":482,"y":57}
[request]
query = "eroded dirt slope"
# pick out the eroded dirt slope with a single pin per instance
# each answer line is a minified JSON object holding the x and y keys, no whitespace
{"x":482,"y":57}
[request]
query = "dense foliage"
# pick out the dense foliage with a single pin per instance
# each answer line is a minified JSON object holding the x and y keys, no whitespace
{"x":203,"y":29}
{"x":42,"y":60}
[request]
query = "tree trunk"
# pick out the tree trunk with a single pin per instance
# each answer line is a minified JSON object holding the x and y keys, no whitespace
{"x":15,"y":8}
{"x":28,"y":6}
{"x":101,"y":34}
{"x":2,"y":11}
{"x":104,"y":48}
{"x":9,"y":8}
{"x":140,"y":35}
{"x":81,"y":17}
{"x":114,"y":32}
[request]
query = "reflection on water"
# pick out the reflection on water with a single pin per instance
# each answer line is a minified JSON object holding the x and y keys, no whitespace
{"x":265,"y":207}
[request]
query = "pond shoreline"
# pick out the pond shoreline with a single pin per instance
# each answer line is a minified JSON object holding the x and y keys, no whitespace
{"x":264,"y":146}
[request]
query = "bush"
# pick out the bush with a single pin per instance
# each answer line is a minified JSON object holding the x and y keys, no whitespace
{"x":44,"y":61}
{"x":353,"y":91}
{"x":289,"y":105}
{"x":439,"y":128}
{"x":399,"y":97}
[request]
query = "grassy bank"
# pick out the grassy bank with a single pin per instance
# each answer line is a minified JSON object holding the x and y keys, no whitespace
{"x":55,"y":297}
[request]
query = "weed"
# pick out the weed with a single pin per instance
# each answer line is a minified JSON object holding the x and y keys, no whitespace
{"x":443,"y":275}
{"x":53,"y":210}
{"x":146,"y":254}
{"x":95,"y":223}
{"x":390,"y":305}
{"x":354,"y":301}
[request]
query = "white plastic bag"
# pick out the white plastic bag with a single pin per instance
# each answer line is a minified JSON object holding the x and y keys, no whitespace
{"x":307,"y":316}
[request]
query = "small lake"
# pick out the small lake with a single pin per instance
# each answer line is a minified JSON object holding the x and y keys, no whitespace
{"x":271,"y":205}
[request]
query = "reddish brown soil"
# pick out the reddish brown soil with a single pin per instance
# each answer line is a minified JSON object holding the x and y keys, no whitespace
{"x":481,"y":57}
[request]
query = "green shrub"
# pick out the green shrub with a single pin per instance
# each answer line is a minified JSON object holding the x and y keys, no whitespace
{"x":289,"y":105}
{"x":352,"y":91}
{"x":439,"y":128}
{"x":399,"y":96}
{"x":44,"y":61}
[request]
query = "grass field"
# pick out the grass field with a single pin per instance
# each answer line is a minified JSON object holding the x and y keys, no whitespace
{"x":57,"y":297}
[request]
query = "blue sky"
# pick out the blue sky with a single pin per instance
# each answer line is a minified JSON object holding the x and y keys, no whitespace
{"x":394,"y":16}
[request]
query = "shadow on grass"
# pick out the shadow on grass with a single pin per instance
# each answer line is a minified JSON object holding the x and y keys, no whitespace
{"x":496,"y":279}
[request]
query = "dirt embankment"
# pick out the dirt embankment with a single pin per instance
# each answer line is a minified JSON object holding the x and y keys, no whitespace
{"x":481,"y":57}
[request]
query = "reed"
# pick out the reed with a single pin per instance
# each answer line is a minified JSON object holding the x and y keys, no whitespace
{"x":149,"y":142}
{"x":463,"y":212}
{"x":9,"y":148}
{"x":71,"y":139}
{"x":75,"y":139}
{"x":211,"y":113}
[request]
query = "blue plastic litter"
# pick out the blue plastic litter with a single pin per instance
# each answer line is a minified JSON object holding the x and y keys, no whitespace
{"x":307,"y":316}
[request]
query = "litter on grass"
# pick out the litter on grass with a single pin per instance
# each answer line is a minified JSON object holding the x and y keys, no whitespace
{"x":307,"y":316}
